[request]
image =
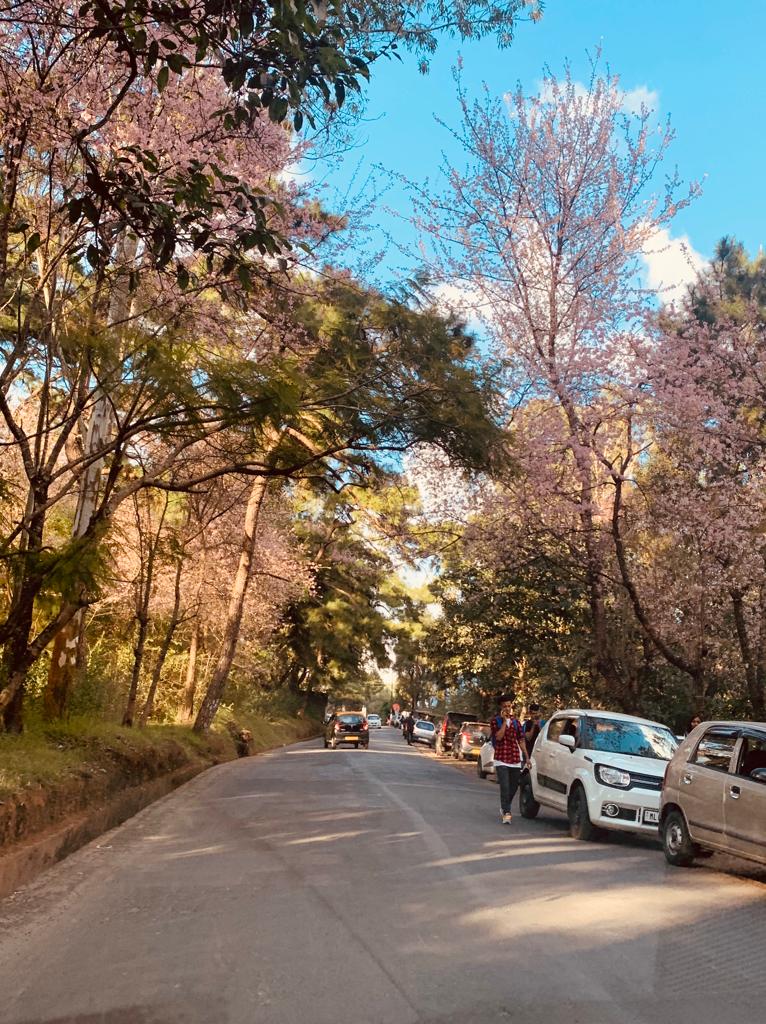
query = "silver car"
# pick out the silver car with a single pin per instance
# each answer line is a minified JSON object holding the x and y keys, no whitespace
{"x":714,"y":793}
{"x":424,"y":732}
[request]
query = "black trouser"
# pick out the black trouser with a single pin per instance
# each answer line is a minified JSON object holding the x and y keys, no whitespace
{"x":508,"y":779}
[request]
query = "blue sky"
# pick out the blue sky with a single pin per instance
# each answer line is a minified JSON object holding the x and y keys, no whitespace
{"x":703,"y":59}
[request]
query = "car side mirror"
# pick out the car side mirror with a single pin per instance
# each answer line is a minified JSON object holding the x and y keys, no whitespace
{"x":758,"y":775}
{"x":567,"y":741}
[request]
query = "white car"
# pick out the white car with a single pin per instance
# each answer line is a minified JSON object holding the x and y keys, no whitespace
{"x":485,"y":764}
{"x":374,"y":722}
{"x":424,"y":732}
{"x":602,"y":769}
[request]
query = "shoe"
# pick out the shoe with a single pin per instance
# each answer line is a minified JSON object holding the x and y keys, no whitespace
{"x":507,"y":819}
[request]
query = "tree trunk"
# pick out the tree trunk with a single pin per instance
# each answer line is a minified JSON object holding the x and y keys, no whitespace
{"x":217,"y":685}
{"x":186,"y":710}
{"x":63,"y":667}
{"x":148,"y":708}
{"x":753,"y":679}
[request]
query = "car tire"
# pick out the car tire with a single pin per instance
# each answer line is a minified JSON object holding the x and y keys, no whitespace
{"x":677,"y":844}
{"x":480,"y":771}
{"x":528,"y":806}
{"x":580,"y":825}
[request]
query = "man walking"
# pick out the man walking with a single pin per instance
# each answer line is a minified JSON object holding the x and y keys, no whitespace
{"x":510,"y":744}
{"x":533,"y":726}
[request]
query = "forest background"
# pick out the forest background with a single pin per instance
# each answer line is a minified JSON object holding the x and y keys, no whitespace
{"x":223,"y":446}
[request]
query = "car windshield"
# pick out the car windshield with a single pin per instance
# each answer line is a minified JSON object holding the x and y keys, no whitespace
{"x":350,"y":719}
{"x":616,"y":737}
{"x":428,"y":726}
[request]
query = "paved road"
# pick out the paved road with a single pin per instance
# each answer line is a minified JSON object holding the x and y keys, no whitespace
{"x":308,"y":886}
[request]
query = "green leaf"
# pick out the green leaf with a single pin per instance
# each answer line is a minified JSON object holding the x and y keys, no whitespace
{"x":34,"y":242}
{"x":298,"y":121}
{"x":162,"y":78}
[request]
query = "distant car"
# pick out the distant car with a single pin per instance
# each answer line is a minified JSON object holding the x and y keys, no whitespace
{"x":469,"y":739}
{"x":448,"y":726}
{"x":349,"y":727}
{"x":374,"y":722}
{"x":424,"y":732}
{"x":714,"y":793}
{"x":602,"y":769}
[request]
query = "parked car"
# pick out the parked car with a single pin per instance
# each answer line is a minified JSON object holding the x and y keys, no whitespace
{"x":714,"y":793}
{"x":468,"y":740}
{"x":374,"y":722}
{"x":348,"y":727}
{"x":603,"y":769}
{"x":424,"y":732}
{"x":448,"y":726}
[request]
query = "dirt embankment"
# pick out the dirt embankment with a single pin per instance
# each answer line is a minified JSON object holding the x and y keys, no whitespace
{"x":90,"y":783}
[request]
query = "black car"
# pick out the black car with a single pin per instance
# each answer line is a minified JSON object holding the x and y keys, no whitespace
{"x":347,"y":727}
{"x":449,"y":725}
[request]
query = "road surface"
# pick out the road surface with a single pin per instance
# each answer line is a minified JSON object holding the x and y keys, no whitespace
{"x":307,"y":886}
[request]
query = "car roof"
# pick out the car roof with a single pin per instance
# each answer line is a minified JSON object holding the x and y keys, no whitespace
{"x":734,"y":723}
{"x":616,"y":716}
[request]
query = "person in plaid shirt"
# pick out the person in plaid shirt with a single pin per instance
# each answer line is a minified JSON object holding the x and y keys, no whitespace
{"x":510,"y":744}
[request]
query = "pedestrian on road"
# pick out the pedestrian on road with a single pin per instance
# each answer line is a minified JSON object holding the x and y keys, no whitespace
{"x":407,"y":728}
{"x":533,"y":726}
{"x":510,"y":746}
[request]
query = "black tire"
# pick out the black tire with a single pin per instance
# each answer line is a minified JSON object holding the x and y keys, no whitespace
{"x":479,"y":770}
{"x":580,"y":825}
{"x":528,"y":806}
{"x":677,"y":844}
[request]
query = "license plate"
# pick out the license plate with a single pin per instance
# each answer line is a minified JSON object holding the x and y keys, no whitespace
{"x":651,"y":817}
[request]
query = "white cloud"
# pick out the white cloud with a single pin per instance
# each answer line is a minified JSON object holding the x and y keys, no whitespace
{"x":671,"y":265}
{"x":631,"y":101}
{"x":641,"y":96}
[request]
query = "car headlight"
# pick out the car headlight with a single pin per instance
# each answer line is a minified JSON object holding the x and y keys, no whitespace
{"x":612,"y":776}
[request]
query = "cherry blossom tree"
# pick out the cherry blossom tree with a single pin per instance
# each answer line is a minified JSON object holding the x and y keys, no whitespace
{"x":546,"y":228}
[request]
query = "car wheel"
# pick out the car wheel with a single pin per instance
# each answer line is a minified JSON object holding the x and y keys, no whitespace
{"x":580,"y":825}
{"x":676,"y":841}
{"x":529,"y":807}
{"x":480,"y":771}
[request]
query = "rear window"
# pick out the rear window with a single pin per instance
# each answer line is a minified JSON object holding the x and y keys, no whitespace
{"x":428,"y":726}
{"x":351,"y":719}
{"x":618,"y":737}
{"x":457,"y":717}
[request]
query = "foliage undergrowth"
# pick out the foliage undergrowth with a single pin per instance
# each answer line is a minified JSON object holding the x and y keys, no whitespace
{"x":47,"y":754}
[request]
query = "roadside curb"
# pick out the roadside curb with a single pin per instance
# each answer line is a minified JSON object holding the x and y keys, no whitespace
{"x":23,"y":861}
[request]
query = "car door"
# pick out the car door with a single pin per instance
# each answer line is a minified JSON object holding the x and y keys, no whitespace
{"x":745,"y":798}
{"x":703,"y":781}
{"x":553,"y":762}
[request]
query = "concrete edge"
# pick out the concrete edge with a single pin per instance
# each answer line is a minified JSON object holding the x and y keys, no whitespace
{"x":23,"y":862}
